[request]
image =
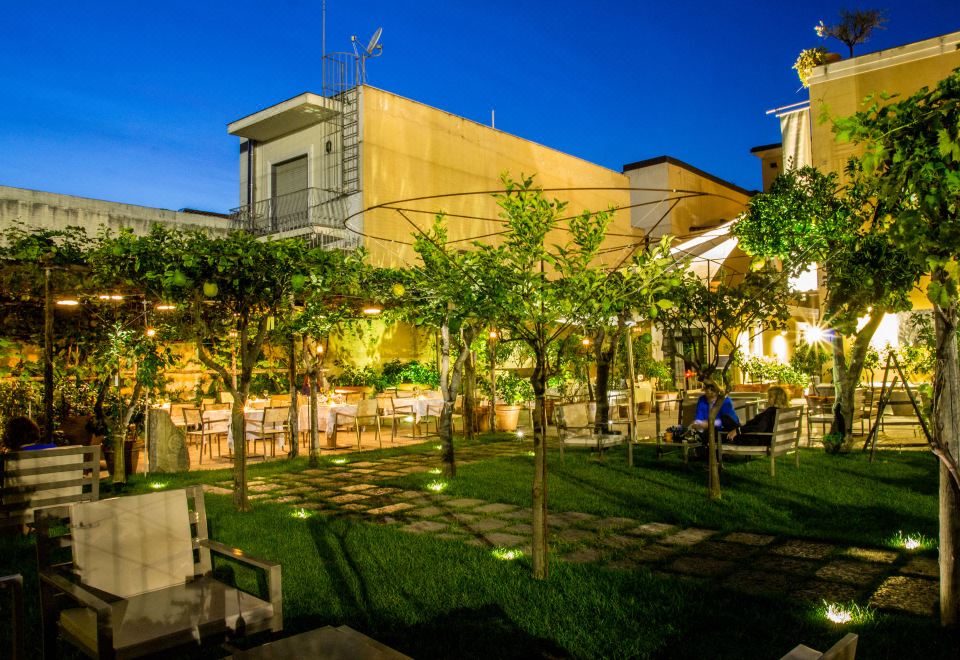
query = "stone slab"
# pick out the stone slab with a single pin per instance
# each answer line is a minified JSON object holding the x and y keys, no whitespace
{"x":349,"y":497}
{"x":582,"y":556}
{"x":748,"y":538}
{"x":873,"y":554}
{"x":908,"y":594}
{"x":574,"y":535}
{"x":495,"y":507}
{"x":505,"y":540}
{"x":424,"y":526}
{"x":488,"y":524}
{"x":860,"y":573}
{"x":923,"y":567}
{"x":817,"y":591}
{"x":464,"y":503}
{"x":427,"y":512}
{"x":390,"y":508}
{"x":653,"y":529}
{"x":804,"y":549}
{"x":688,"y":537}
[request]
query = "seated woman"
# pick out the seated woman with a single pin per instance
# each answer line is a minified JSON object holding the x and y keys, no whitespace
{"x":727,"y":419}
{"x":22,"y":434}
{"x":763,"y":422}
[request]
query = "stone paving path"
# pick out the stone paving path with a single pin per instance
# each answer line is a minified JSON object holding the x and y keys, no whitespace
{"x":754,"y":563}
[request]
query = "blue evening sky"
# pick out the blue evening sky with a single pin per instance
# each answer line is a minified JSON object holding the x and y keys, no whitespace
{"x":129,"y":101}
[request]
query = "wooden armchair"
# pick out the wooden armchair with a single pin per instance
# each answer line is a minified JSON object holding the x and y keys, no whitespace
{"x":275,"y":423}
{"x":130,"y":576}
{"x":397,"y":413}
{"x":845,"y":649}
{"x":367,"y":413}
{"x":784,"y":439}
{"x":46,"y":477}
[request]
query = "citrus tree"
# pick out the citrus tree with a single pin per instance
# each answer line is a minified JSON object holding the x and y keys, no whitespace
{"x":719,"y":311}
{"x":233,"y":283}
{"x":807,"y":217}
{"x":912,"y":147}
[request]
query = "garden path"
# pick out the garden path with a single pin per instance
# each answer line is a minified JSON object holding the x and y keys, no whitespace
{"x":757,"y":563}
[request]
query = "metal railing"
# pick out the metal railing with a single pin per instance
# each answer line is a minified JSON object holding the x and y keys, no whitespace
{"x":310,"y":211}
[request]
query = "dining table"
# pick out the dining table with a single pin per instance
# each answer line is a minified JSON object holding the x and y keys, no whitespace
{"x":326,"y":417}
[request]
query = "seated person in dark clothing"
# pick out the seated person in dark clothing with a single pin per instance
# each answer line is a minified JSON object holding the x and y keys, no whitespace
{"x":763,"y":422}
{"x":21,"y":434}
{"x":727,"y":419}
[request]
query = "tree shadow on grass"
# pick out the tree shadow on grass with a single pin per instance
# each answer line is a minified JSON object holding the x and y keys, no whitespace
{"x":481,"y":632}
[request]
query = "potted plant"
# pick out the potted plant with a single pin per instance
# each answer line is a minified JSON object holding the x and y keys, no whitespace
{"x":513,"y":390}
{"x":810,"y":58}
{"x":833,"y":443}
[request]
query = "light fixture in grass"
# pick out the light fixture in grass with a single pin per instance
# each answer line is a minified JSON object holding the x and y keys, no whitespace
{"x":519,"y":435}
{"x":841,"y":613}
{"x":301,"y":514}
{"x":530,"y":453}
{"x":436,"y":471}
{"x":158,"y":485}
{"x":437,"y":486}
{"x":438,"y":447}
{"x":506,"y":554}
{"x":914,"y":541}
{"x":338,"y":461}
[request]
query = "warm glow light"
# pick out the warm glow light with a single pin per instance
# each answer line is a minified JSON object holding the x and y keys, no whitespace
{"x":805,"y":281}
{"x":319,"y":348}
{"x":887,"y":334}
{"x":911,"y":543}
{"x":436,"y":486}
{"x":232,"y":334}
{"x":530,"y":453}
{"x":158,"y":485}
{"x":165,"y":307}
{"x":493,"y":334}
{"x":506,"y":554}
{"x":339,"y":461}
{"x":519,"y":435}
{"x":372,"y":311}
{"x":435,"y":471}
{"x":812,"y":334}
{"x":585,"y":341}
{"x":151,"y":332}
{"x":838,"y":614}
{"x":779,"y":348}
{"x":104,"y":296}
{"x":68,"y":302}
{"x":302,"y":514}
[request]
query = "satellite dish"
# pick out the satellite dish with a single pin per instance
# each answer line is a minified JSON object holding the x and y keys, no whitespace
{"x":374,"y":41}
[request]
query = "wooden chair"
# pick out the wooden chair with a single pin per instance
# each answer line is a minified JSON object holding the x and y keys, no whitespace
{"x":276,"y":422}
{"x":434,"y":410}
{"x":46,"y":477}
{"x":820,"y":413}
{"x":396,"y":413}
{"x":130,"y":576}
{"x":14,"y":583}
{"x":784,"y":439}
{"x":367,"y":413}
{"x":203,"y":432}
{"x":575,"y":429}
{"x":845,"y":649}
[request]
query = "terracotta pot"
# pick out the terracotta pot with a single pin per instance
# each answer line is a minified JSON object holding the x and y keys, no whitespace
{"x":507,"y":417}
{"x":481,"y":419}
{"x":643,"y":408}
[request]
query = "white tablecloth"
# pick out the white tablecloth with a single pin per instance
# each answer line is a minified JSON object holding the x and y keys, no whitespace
{"x":325,"y":414}
{"x":420,"y":405}
{"x":219,"y":421}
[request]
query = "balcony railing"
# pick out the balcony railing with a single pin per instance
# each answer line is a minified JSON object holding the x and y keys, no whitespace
{"x":312,"y":211}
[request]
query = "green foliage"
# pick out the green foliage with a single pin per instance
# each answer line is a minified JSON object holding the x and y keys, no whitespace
{"x":832,"y":442}
{"x":646,"y":366}
{"x":807,"y":60}
{"x":810,"y":359}
{"x":510,"y":388}
{"x":18,"y":397}
{"x":357,"y":376}
{"x":769,"y":369}
{"x":396,"y":372}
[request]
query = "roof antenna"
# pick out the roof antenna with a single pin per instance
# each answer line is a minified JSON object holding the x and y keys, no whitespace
{"x":373,"y":49}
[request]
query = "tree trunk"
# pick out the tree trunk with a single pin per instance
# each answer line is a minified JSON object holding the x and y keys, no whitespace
{"x":314,"y":430}
{"x":604,"y":357}
{"x":539,"y":382}
{"x":238,"y":425}
{"x":713,"y":465}
{"x":493,"y":384}
{"x":294,"y":423}
{"x":444,"y":424}
{"x":469,"y":394}
{"x":846,"y":376}
{"x":47,"y":359}
{"x":946,"y":418}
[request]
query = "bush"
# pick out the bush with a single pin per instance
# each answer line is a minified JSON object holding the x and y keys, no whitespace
{"x":832,"y":443}
{"x":396,"y":372}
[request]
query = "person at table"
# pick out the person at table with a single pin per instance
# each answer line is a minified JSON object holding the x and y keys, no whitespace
{"x":22,"y":434}
{"x":756,"y":431}
{"x":726,"y":420}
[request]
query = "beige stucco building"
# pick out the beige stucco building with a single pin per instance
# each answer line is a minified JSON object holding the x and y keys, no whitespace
{"x":370,"y":168}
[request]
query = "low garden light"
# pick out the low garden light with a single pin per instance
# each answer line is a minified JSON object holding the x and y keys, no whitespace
{"x":506,"y":554}
{"x":838,"y":613}
{"x":841,"y":614}
{"x":519,"y":435}
{"x":435,"y":471}
{"x":437,"y":486}
{"x":438,"y":447}
{"x":530,"y":453}
{"x":68,"y":302}
{"x":301,"y":514}
{"x":338,"y":461}
{"x":158,"y":485}
{"x":912,"y":541}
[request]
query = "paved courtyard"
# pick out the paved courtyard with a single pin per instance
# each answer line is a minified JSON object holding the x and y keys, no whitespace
{"x":757,"y":563}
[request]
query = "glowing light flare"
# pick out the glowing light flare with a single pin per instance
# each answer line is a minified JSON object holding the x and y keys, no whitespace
{"x":506,"y":554}
{"x":437,"y":486}
{"x":338,"y":461}
{"x":812,"y":334}
{"x":151,"y":332}
{"x":165,"y":307}
{"x":301,"y":514}
{"x":68,"y":302}
{"x":585,"y":341}
{"x":158,"y":485}
{"x":372,"y":311}
{"x":435,"y":471}
{"x":838,"y":613}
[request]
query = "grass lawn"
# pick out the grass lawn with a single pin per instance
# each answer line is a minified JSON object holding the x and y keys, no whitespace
{"x":441,"y":598}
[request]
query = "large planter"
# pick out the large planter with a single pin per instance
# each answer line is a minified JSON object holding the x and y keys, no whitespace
{"x":481,"y":419}
{"x":131,"y":456}
{"x":508,"y":417}
{"x":900,"y":403}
